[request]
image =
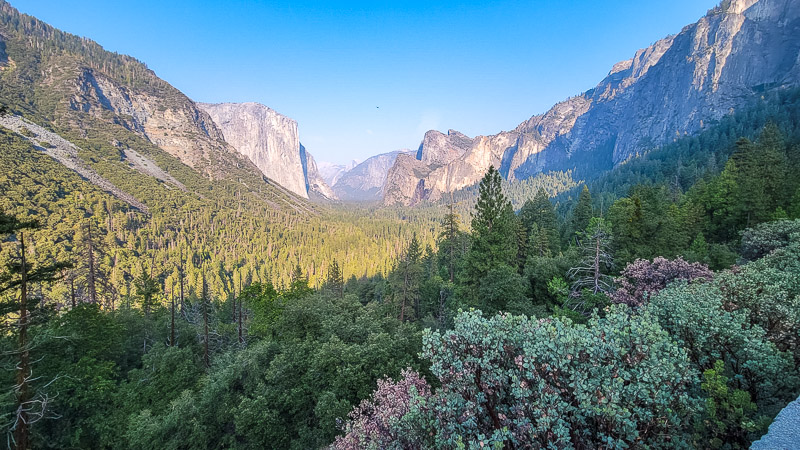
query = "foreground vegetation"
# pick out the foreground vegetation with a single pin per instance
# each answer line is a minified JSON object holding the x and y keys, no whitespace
{"x":668,"y":319}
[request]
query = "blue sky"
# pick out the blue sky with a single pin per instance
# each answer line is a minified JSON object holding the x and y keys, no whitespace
{"x":368,"y":77}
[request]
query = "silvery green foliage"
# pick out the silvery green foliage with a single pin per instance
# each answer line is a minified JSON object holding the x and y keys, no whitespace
{"x":702,"y":319}
{"x":761,"y":240}
{"x":509,"y":380}
{"x":768,"y":290}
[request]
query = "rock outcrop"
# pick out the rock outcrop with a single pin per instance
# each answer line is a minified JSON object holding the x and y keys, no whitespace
{"x":673,"y":88}
{"x":784,"y":432}
{"x":365,"y":181}
{"x":270,"y":140}
{"x":315,"y":185}
{"x":439,"y":149}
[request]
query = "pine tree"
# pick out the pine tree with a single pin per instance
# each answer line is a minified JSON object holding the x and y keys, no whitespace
{"x":146,"y":287}
{"x":494,"y":234}
{"x":335,"y":280}
{"x":19,"y":275}
{"x":583,"y":212}
{"x":540,"y":211}
{"x":407,"y":279}
{"x":90,"y":248}
{"x":205,"y":301}
{"x":449,"y":248}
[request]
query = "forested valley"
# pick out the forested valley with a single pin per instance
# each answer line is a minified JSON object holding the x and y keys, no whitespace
{"x":657,"y":306}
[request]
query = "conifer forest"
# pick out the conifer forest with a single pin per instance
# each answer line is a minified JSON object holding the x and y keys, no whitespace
{"x":158,"y":290}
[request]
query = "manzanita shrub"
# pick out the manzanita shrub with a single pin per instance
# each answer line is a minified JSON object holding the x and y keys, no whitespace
{"x":642,"y":279}
{"x":379,"y":421}
{"x":513,"y":382}
{"x":768,"y":291}
{"x":698,"y":317}
{"x":765,"y":238}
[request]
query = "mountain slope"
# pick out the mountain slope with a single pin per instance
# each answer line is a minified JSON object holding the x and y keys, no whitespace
{"x":121,"y":115}
{"x":672,"y":88}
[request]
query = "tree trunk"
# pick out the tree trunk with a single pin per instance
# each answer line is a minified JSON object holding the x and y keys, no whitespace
{"x":405,"y":294}
{"x":172,"y":318}
{"x":91,"y":278}
{"x":241,"y":338}
{"x":596,"y":267}
{"x":180,"y":276}
{"x":205,"y":322}
{"x":72,"y":289}
{"x":23,"y":392}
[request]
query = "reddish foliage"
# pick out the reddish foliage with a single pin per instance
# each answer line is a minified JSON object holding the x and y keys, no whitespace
{"x":374,"y":423}
{"x":642,"y":279}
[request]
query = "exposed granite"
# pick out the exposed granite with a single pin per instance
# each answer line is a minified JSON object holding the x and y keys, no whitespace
{"x":672,"y":88}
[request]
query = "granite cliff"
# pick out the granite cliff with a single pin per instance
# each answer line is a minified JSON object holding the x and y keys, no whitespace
{"x":675,"y":87}
{"x":272,"y":142}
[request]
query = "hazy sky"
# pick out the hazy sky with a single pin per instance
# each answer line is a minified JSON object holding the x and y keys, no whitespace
{"x":368,"y":77}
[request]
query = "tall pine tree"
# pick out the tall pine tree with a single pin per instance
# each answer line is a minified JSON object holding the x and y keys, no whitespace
{"x":19,"y":275}
{"x":582,"y":213}
{"x":494,"y":235}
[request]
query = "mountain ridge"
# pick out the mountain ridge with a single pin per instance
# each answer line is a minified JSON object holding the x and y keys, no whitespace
{"x":671,"y":88}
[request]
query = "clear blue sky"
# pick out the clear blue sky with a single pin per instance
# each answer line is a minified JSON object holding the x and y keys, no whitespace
{"x":367,"y":77}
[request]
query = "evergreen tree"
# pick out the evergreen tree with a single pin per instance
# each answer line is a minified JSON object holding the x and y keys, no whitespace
{"x":335,"y":280}
{"x":91,"y":249}
{"x":20,"y":275}
{"x":450,"y":243}
{"x":146,"y":287}
{"x":540,"y":212}
{"x":583,"y":212}
{"x":407,"y":280}
{"x":299,"y":286}
{"x":494,"y":235}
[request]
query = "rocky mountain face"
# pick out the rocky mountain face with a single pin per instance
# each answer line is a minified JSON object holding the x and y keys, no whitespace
{"x":127,"y":122}
{"x":365,"y":181}
{"x":315,"y":185}
{"x":675,"y":87}
{"x":270,"y":140}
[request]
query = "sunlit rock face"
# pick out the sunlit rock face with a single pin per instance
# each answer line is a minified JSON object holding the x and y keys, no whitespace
{"x":675,"y":87}
{"x":316,"y":186}
{"x":270,"y":140}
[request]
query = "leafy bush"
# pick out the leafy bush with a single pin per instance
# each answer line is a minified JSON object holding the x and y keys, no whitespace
{"x":697,"y":318}
{"x":512,"y":381}
{"x":761,"y":240}
{"x":642,"y":279}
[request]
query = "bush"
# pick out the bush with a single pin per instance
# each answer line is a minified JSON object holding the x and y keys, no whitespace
{"x":762,"y":240}
{"x":642,"y":279}
{"x":511,"y":381}
{"x":697,"y":318}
